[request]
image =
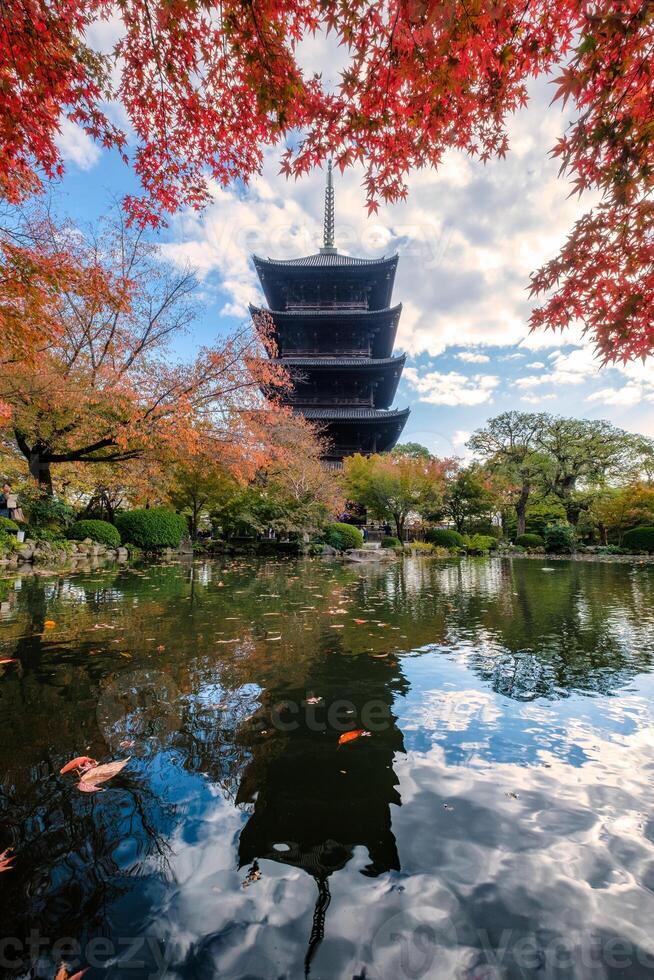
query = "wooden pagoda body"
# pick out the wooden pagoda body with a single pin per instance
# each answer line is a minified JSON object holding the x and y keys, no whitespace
{"x":334,"y":329}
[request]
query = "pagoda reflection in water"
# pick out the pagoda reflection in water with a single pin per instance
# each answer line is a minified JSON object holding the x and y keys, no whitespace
{"x":334,"y":329}
{"x":314,"y":802}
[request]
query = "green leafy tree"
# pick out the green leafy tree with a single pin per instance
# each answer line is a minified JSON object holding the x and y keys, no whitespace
{"x":508,"y":445}
{"x":413,"y":449}
{"x":579,"y":454}
{"x":469,"y":496}
{"x":199,"y":485}
{"x":616,"y":510}
{"x":393,"y":486}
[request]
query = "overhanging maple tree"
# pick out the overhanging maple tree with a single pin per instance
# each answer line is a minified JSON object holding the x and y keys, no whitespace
{"x":207,"y":87}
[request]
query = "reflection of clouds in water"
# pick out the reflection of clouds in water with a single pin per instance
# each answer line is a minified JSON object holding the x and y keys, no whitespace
{"x":453,"y":710}
{"x":570,"y":846}
{"x":214,"y":925}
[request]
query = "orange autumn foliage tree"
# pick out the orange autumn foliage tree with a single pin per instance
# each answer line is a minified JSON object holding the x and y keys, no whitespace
{"x":207,"y":87}
{"x":107,"y":389}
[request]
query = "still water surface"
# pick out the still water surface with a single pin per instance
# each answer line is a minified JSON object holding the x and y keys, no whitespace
{"x":497,"y":822}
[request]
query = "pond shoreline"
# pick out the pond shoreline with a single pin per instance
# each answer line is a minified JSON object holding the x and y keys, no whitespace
{"x":83,"y":563}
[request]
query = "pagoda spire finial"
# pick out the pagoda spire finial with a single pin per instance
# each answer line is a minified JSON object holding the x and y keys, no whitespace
{"x":328,"y":222}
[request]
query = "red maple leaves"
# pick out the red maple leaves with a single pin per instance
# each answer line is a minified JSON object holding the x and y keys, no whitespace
{"x":207,"y":88}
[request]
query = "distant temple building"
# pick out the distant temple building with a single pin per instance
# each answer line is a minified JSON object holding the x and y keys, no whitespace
{"x":335,"y":329}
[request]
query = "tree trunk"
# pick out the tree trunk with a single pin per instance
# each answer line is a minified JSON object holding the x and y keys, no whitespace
{"x":521,"y":508}
{"x":40,"y":471}
{"x":602,"y":532}
{"x":399,"y":526}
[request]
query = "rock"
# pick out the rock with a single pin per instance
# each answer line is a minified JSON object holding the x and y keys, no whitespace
{"x":370,"y":555}
{"x":26,"y":551}
{"x":328,"y":550}
{"x":122,"y":554}
{"x":110,"y":554}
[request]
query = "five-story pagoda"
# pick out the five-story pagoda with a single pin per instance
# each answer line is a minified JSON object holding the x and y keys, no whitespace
{"x":334,"y":329}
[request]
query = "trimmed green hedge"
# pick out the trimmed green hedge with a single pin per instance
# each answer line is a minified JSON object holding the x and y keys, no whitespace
{"x":444,"y":538}
{"x":639,"y":539}
{"x":153,"y":528}
{"x":389,"y":542}
{"x":559,"y":539}
{"x":343,"y":536}
{"x":100,"y":531}
{"x":530,"y":541}
{"x":7,"y":526}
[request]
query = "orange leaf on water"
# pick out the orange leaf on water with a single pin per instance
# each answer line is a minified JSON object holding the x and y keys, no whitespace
{"x":49,"y":624}
{"x":5,"y":859}
{"x":79,"y":762}
{"x":350,"y":736}
{"x":63,"y":974}
{"x":100,"y":774}
{"x":360,"y":621}
{"x":8,"y":660}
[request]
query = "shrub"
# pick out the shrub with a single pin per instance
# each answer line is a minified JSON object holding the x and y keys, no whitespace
{"x":639,"y":539}
{"x":151,"y":529}
{"x":480,"y":544}
{"x":445,"y":538}
{"x":559,"y":539}
{"x":100,"y":531}
{"x":7,"y":544}
{"x":389,"y":542}
{"x":343,"y":536}
{"x":422,"y":548}
{"x":43,"y":511}
{"x":530,"y":541}
{"x":7,"y":526}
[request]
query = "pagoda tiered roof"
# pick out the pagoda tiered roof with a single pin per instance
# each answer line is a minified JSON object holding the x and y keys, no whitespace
{"x":358,"y":363}
{"x":346,"y":381}
{"x":345,"y":414}
{"x":377,"y":275}
{"x":369,"y":332}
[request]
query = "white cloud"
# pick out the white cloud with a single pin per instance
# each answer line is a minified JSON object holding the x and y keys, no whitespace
{"x":536,"y":365}
{"x":571,"y":368}
{"x":537,"y":399}
{"x":460,"y":437}
{"x":630,"y":394}
{"x":472,"y":358}
{"x":76,"y":146}
{"x":452,"y":388}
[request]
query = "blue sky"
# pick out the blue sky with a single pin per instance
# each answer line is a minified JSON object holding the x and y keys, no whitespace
{"x":467,"y":238}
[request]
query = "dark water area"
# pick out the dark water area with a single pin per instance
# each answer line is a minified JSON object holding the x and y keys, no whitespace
{"x":496,"y":819}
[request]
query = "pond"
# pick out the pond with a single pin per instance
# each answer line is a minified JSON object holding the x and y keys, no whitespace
{"x":492,"y":818}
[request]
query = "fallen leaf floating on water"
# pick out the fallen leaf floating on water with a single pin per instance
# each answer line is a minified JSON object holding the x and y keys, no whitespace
{"x":314,"y":700}
{"x":100,"y":774}
{"x":49,"y":624}
{"x":350,"y":736}
{"x":63,"y":974}
{"x":6,"y":859}
{"x":160,"y":648}
{"x":8,"y":660}
{"x":360,"y":621}
{"x":81,"y":762}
